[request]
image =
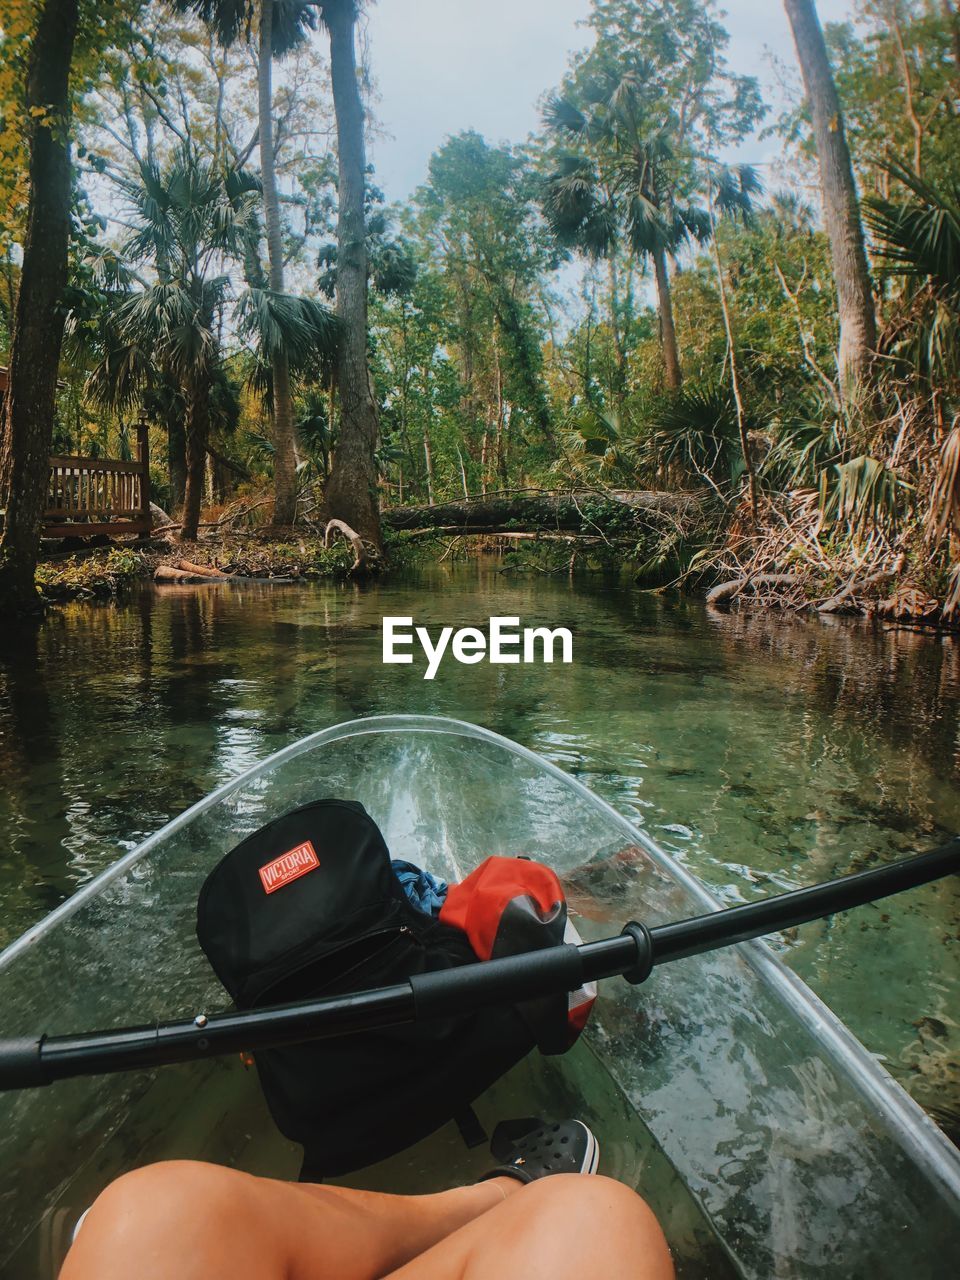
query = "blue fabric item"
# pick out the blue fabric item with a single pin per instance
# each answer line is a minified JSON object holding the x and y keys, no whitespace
{"x":426,"y":892}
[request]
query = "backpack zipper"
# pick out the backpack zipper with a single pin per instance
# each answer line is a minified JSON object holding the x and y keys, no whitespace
{"x":397,"y":932}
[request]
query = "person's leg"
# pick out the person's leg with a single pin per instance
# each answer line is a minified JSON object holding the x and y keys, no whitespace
{"x":192,"y":1221}
{"x":564,"y":1227}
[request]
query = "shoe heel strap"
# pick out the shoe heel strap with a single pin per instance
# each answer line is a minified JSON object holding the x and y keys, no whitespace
{"x":507,"y":1171}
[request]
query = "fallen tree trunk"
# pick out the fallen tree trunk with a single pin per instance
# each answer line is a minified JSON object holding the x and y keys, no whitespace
{"x":725,"y":591}
{"x":509,"y":535}
{"x":566,"y":512}
{"x":167,"y":573}
{"x":202,"y":570}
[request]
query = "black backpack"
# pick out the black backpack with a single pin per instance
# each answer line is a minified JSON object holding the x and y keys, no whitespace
{"x":310,"y":906}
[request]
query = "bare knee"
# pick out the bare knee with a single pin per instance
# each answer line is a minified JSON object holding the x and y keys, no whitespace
{"x":609,"y":1207}
{"x":572,"y":1191}
{"x":184,"y":1192}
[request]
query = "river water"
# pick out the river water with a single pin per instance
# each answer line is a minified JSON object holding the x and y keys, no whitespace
{"x":763,"y":753}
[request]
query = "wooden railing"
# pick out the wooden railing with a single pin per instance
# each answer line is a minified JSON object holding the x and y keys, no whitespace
{"x":88,"y":496}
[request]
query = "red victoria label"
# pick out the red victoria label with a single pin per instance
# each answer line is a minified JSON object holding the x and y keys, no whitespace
{"x":289,"y":866}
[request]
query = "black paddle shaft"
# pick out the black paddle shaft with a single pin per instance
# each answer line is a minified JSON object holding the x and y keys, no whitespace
{"x":32,"y":1061}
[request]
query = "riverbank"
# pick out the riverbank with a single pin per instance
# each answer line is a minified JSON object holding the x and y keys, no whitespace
{"x":775,"y":564}
{"x":107,"y":572}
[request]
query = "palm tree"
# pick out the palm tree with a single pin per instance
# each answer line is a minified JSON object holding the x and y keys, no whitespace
{"x":192,"y":224}
{"x":621,"y":185}
{"x":188,"y":227}
{"x":352,"y":490}
{"x":281,"y":25}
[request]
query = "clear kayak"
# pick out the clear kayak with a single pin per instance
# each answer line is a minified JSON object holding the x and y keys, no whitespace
{"x":766,"y":1138}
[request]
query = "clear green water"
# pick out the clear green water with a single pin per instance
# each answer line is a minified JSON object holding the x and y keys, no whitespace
{"x":763,"y":753}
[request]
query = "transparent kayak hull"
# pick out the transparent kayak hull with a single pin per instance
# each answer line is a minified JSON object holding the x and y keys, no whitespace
{"x":766,"y":1138}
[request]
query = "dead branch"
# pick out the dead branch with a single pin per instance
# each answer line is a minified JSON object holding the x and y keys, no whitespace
{"x":356,"y":542}
{"x":231,"y":515}
{"x":857,"y":584}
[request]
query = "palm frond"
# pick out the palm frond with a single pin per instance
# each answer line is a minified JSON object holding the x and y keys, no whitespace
{"x":863,"y":493}
{"x":302,"y":329}
{"x":689,"y":222}
{"x":229,"y":20}
{"x":393,"y":268}
{"x":577,"y":211}
{"x":944,"y":512}
{"x":736,"y":189}
{"x":803,"y":449}
{"x":232,"y":21}
{"x":561,"y":116}
{"x":648,"y":227}
{"x":118,"y":378}
{"x":696,"y":429}
{"x":919,"y":238}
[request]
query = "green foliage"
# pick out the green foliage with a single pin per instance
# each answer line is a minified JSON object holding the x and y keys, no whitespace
{"x":695,"y":432}
{"x":919,"y":250}
{"x":804,"y":449}
{"x":862,"y":493}
{"x":598,"y":447}
{"x":301,"y":328}
{"x":919,"y":237}
{"x":84,"y":577}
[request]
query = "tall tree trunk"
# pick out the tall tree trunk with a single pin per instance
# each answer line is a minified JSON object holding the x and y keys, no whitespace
{"x":29,"y":407}
{"x":619,"y":338}
{"x":352,"y":490}
{"x":501,"y":421}
{"x":284,"y":448}
{"x":668,"y":330}
{"x":428,"y":459}
{"x":198,"y":430}
{"x":841,"y":211}
{"x":734,"y":371}
{"x":176,"y":460}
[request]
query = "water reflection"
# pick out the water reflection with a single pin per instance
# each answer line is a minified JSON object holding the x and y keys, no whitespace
{"x":764,"y":752}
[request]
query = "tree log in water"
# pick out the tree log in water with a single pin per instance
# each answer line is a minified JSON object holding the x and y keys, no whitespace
{"x":604,"y":514}
{"x":202,"y":570}
{"x":168,"y":573}
{"x":725,"y":591}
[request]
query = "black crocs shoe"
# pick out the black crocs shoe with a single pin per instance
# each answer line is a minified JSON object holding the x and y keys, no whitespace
{"x":536,"y":1152}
